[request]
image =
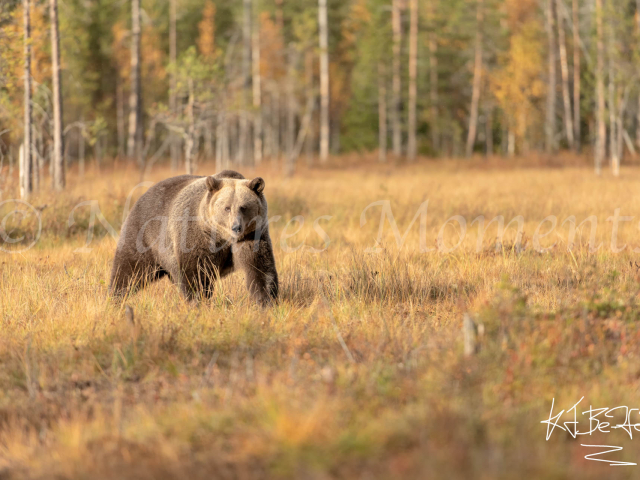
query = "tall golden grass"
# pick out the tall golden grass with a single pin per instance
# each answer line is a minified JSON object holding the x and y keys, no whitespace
{"x":359,"y":369}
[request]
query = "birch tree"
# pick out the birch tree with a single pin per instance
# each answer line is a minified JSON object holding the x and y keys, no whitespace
{"x":246,"y":66}
{"x":477,"y":79}
{"x":550,"y":119}
{"x":613,"y":137}
{"x":324,"y":80}
{"x":134,"y":142}
{"x":26,"y":163}
{"x":601,"y":129}
{"x":564,"y":70}
{"x":257,"y":92}
{"x":173,"y":102}
{"x":576,"y":75}
{"x":58,"y":157}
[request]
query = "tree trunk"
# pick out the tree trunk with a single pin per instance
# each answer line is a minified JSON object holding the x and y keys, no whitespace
{"x":613,"y":148}
{"x":413,"y":72}
{"x":173,"y":101}
{"x":208,"y":139}
{"x":511,"y":143}
{"x":81,"y":150}
{"x":302,"y":133}
{"x":243,"y":141}
{"x":613,"y":137}
{"x":58,"y":158}
{"x":189,"y":147}
{"x":309,"y":137}
{"x":280,"y":16}
{"x":564,"y":70}
{"x":382,"y":113}
{"x":11,"y":160}
{"x":477,"y":80}
{"x":120,"y":117}
{"x":396,"y":104}
{"x":638,"y":114}
{"x":622,"y":106}
{"x":601,"y":127}
{"x":276,"y":113}
{"x":257,"y":93}
{"x":576,"y":77}
{"x":433,"y":78}
{"x":324,"y":80}
{"x":550,"y":120}
{"x":291,"y":102}
{"x":134,"y":143}
{"x":26,"y":165}
{"x":268,"y":138}
{"x":222,"y":141}
{"x":489,"y":130}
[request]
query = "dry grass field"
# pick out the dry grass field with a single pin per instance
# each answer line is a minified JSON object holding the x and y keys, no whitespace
{"x":359,"y":371}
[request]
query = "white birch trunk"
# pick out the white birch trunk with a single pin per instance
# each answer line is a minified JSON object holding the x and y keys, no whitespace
{"x":477,"y":80}
{"x":59,"y":177}
{"x":324,"y":80}
{"x":26,"y":165}
{"x":243,"y":140}
{"x":173,"y":102}
{"x":550,"y":120}
{"x":601,"y":128}
{"x":564,"y":70}
{"x":257,"y":93}
{"x":134,"y":142}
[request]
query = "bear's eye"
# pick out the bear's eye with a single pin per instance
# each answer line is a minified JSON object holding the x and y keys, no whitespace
{"x":243,"y":209}
{"x":227,"y":209}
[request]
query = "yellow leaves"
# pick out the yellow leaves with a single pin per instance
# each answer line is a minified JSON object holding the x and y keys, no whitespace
{"x":12,"y":59}
{"x":152,"y":55}
{"x":207,"y":28}
{"x":153,"y":59}
{"x":519,"y":12}
{"x":271,"y":48}
{"x":120,"y":48}
{"x":518,"y":84}
{"x":40,"y":56}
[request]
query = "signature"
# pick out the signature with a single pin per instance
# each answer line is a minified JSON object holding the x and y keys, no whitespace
{"x":602,"y":420}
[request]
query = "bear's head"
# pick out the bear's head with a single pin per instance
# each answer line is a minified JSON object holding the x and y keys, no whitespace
{"x":237,"y":207}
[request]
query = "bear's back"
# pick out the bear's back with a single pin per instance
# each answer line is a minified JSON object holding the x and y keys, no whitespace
{"x":156,"y":203}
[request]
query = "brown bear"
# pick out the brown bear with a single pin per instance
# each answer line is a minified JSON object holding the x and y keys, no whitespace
{"x":195,"y":230}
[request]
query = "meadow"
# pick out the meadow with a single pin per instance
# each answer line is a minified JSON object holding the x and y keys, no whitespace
{"x":360,"y":370}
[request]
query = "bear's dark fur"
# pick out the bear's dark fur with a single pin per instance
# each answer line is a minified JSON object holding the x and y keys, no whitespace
{"x":197,"y":229}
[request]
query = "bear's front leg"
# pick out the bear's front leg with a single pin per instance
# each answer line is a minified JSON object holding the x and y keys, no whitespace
{"x":255,"y":259}
{"x":129,"y":274}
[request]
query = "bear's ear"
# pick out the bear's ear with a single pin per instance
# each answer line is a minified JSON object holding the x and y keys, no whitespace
{"x":257,"y":185}
{"x":213,"y":183}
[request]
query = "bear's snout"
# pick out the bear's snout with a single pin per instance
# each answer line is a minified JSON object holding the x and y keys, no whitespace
{"x":236,"y":227}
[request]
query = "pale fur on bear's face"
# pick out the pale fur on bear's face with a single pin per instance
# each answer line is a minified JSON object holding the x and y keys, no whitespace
{"x":236,"y":206}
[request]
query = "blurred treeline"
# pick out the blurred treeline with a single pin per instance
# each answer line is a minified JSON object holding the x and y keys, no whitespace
{"x":432,"y":77}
